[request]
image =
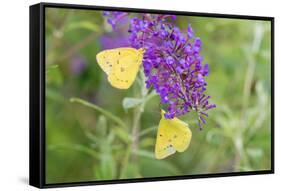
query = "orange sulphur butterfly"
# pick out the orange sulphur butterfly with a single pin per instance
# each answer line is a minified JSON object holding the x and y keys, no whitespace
{"x":121,"y":65}
{"x":173,"y":135}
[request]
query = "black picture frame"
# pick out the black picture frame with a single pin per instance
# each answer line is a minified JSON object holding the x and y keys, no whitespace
{"x":37,"y":95}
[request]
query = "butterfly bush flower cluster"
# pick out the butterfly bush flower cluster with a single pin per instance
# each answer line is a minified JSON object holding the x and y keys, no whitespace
{"x":172,"y":63}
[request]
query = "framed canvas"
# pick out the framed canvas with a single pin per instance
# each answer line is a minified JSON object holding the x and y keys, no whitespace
{"x":121,"y":95}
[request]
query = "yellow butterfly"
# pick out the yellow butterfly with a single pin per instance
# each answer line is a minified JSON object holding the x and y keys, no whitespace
{"x":173,"y":135}
{"x":121,"y":65}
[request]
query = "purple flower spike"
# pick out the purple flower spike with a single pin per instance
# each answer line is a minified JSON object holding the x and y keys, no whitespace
{"x":172,"y":64}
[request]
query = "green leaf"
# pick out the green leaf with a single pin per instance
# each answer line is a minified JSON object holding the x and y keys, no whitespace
{"x":131,"y":102}
{"x":51,"y":66}
{"x":149,"y":164}
{"x":101,"y":127}
{"x":254,"y":152}
{"x":107,"y":168}
{"x":147,"y":142}
{"x":92,"y":137}
{"x":54,"y":75}
{"x":75,"y":147}
{"x":148,"y":130}
{"x":54,"y":95}
{"x":122,"y":134}
{"x":144,"y":153}
{"x":132,"y":171}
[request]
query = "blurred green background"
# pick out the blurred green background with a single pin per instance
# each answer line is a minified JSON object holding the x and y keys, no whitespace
{"x":84,"y":143}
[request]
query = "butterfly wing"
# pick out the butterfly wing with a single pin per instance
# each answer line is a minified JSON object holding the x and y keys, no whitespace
{"x":163,"y":148}
{"x":121,"y":65}
{"x":106,"y":59}
{"x":173,"y":135}
{"x":182,"y":134}
{"x":125,"y":70}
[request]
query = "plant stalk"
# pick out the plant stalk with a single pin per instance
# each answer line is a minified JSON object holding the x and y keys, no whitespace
{"x":99,"y":109}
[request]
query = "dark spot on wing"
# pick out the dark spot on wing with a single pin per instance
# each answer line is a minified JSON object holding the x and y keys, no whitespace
{"x":122,"y":69}
{"x":175,"y":136}
{"x":119,"y":53}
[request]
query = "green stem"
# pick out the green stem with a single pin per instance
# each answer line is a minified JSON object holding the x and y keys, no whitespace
{"x":125,"y":163}
{"x":214,"y":163}
{"x":135,"y":131}
{"x":99,"y":109}
{"x":249,"y":77}
{"x":137,"y":115}
{"x":148,"y":130}
{"x":133,"y":146}
{"x":251,"y":60}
